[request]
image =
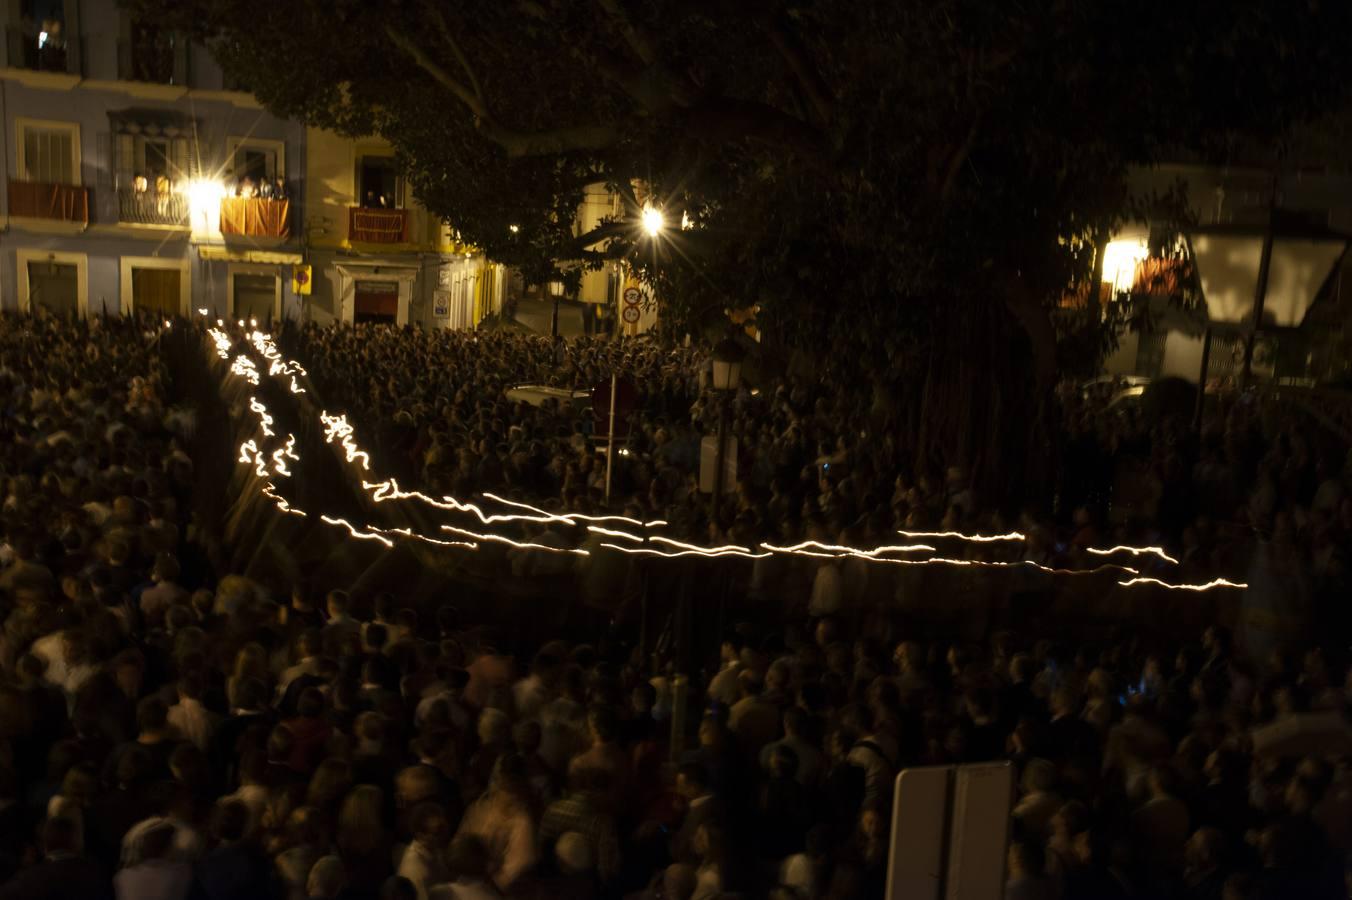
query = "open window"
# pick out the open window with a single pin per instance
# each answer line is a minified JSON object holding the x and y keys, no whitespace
{"x":379,"y":185}
{"x":257,"y":168}
{"x":42,"y":36}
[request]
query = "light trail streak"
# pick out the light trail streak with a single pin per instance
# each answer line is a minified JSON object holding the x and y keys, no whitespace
{"x":574,"y":518}
{"x":648,"y":551}
{"x":1135,"y":551}
{"x":339,"y":430}
{"x":973,"y":538}
{"x":1210,"y":585}
{"x":597,"y":529}
{"x":520,"y":545}
{"x":852,"y":551}
{"x":359,"y":535}
{"x":263,"y":417}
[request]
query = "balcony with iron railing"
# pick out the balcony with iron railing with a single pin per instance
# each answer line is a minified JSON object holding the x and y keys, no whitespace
{"x":373,"y":225}
{"x":58,"y":202}
{"x":151,"y":208}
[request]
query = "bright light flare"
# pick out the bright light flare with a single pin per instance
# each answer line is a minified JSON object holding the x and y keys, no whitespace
{"x":654,"y":222}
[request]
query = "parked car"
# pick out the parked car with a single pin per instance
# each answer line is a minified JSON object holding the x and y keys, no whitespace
{"x":538,"y":394}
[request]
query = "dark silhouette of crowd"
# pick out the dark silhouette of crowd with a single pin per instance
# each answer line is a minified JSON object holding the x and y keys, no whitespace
{"x":170,"y":729}
{"x":818,"y":460}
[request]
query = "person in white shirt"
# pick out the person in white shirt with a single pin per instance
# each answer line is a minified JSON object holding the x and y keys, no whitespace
{"x":158,"y":876}
{"x":809,"y":756}
{"x":422,"y":863}
{"x":193,"y":721}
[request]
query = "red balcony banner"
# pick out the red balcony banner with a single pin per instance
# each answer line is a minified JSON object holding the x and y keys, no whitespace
{"x":377,"y":226}
{"x":63,"y":202}
{"x":256,"y":217}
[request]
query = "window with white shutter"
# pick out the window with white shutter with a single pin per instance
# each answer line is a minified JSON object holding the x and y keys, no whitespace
{"x":49,"y":152}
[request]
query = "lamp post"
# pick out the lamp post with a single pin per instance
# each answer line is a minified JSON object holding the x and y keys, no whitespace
{"x":1253,"y":277}
{"x":725,"y":378}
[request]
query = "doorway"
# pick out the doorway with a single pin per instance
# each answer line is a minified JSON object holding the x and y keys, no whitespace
{"x":157,"y":290}
{"x":55,"y":287}
{"x":376,"y":301}
{"x":255,"y":298}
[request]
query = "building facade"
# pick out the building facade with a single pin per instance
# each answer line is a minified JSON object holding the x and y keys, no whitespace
{"x":136,"y":178}
{"x":377,"y":255}
{"x":1304,"y":216}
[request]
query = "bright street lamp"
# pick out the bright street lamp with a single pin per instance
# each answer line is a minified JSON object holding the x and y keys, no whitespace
{"x":653,"y":220}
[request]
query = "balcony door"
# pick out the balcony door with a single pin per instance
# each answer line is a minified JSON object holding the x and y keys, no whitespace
{"x":376,"y":302}
{"x":378,"y":183}
{"x":157,"y":291}
{"x":256,"y":296}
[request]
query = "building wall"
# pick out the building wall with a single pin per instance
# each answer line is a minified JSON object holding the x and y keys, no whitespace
{"x":431,"y":260}
{"x":85,"y":97}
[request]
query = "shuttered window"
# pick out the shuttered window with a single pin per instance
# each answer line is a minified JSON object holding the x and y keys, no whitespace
{"x":49,"y":154}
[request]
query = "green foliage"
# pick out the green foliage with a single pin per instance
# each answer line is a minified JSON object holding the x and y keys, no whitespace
{"x":904,"y":156}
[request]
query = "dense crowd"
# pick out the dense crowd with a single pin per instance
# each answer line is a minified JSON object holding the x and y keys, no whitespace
{"x":169,"y":729}
{"x":818,"y":459}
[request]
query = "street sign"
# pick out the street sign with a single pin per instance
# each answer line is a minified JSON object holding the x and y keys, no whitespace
{"x":632,"y":296}
{"x":300,"y":280}
{"x":626,"y":403}
{"x":631,"y":315}
{"x":950,"y":832}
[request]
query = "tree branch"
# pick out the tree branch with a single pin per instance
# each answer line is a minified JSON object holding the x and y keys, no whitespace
{"x":733,"y":119}
{"x":464,"y":94}
{"x":444,"y":27}
{"x":633,"y":35}
{"x":793,"y":53}
{"x":611,"y":229}
{"x":959,"y":157}
{"x":516,"y":144}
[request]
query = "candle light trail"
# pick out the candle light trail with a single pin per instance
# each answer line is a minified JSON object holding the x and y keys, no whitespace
{"x":338,"y":430}
{"x":1135,"y":551}
{"x":1210,"y":585}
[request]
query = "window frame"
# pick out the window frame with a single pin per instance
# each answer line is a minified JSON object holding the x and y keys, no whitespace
{"x":25,"y":256}
{"x":235,"y":144}
{"x":358,"y":194}
{"x":23,"y":125}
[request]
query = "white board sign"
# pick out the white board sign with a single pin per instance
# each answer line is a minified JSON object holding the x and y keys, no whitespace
{"x":950,"y":832}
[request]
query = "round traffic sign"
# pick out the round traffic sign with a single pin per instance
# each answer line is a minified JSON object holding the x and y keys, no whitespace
{"x":633,"y":296}
{"x":630,"y":314}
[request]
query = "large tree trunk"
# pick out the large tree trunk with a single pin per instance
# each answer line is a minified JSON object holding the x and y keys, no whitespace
{"x":985,"y":405}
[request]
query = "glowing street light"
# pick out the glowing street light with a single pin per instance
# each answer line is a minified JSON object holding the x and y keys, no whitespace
{"x":653,"y":220}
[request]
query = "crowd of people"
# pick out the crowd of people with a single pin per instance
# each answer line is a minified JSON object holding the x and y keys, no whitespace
{"x":169,"y":729}
{"x":818,"y":460}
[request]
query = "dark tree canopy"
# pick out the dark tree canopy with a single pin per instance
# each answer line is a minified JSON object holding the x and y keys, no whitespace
{"x":941,"y":162}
